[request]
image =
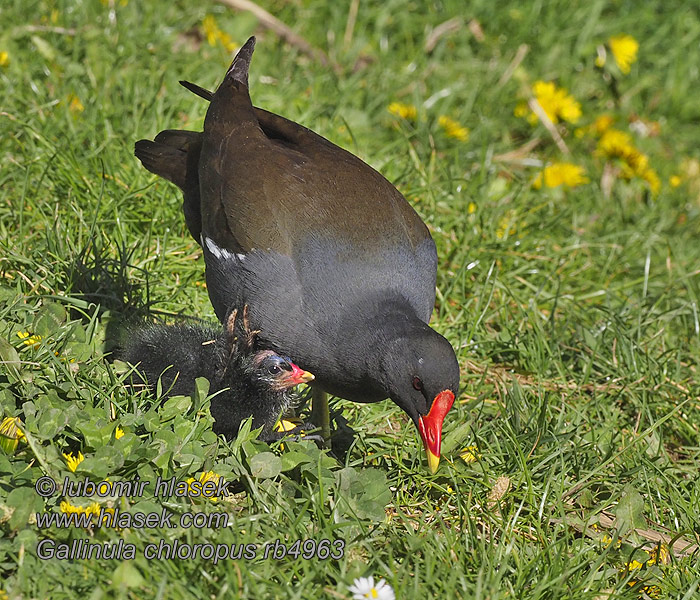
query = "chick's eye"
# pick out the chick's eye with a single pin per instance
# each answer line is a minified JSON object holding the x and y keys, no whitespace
{"x":417,"y":383}
{"x":277,"y":365}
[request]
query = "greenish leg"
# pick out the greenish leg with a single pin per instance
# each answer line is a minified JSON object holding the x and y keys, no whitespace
{"x":320,"y":414}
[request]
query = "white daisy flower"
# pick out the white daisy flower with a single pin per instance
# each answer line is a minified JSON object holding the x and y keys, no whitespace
{"x":364,"y":588}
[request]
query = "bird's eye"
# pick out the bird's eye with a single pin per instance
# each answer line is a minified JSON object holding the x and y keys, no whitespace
{"x":417,"y":384}
{"x":274,"y":369}
{"x":277,"y":365}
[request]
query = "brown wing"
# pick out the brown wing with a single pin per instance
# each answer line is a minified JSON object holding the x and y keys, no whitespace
{"x":267,"y":182}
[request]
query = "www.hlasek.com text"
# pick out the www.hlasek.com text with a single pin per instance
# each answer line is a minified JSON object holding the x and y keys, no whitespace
{"x":121,"y":519}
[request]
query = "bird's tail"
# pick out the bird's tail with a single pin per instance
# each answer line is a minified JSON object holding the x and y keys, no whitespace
{"x":167,"y":154}
{"x":197,"y":89}
{"x":238,"y":71}
{"x":230,"y":106}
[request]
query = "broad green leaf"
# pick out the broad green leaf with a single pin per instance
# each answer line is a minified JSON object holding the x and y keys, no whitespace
{"x":51,"y":423}
{"x":265,"y":465}
{"x":126,"y":575}
{"x":24,"y":501}
{"x":630,"y":511}
{"x":292,"y":459}
{"x":49,"y":319}
{"x":456,"y":437}
{"x":177,"y":405}
{"x":44,"y":48}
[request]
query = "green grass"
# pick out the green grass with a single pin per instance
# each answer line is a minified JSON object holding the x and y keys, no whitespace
{"x":574,"y":311}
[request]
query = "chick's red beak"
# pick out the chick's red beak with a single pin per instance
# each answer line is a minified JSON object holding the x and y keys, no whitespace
{"x":430,"y":427}
{"x":298,"y":375}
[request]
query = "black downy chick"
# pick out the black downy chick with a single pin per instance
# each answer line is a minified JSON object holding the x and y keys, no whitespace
{"x":250,"y":382}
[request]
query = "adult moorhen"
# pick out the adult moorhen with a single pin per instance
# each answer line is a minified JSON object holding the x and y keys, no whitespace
{"x":338,"y":269}
{"x":250,"y":382}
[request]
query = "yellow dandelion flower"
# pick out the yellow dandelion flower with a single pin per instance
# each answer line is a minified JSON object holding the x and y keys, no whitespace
{"x":4,"y":58}
{"x":74,"y":104}
{"x":209,"y":476}
{"x":637,"y":160}
{"x":633,"y":565}
{"x":470,"y":454}
{"x":471,"y":208}
{"x":210,"y":29}
{"x":675,"y":181}
{"x":615,"y":144}
{"x":660,"y":554}
{"x":569,"y":109}
{"x":227,"y":42}
{"x":215,"y":36}
{"x":505,"y":227}
{"x":545,"y":92}
{"x":557,"y":174}
{"x":652,"y":179}
{"x":653,"y":591}
{"x":118,"y":433}
{"x":404,"y":111}
{"x":618,"y":144}
{"x":28,"y":339}
{"x":73,"y":461}
{"x":64,"y":358}
{"x":453,"y":129}
{"x":10,"y":434}
{"x":521,"y":109}
{"x":10,"y":427}
{"x":203,"y":478}
{"x":91,"y":509}
{"x":556,"y":103}
{"x":624,"y":49}
{"x":110,"y":511}
{"x":607,"y":540}
{"x":602,"y":124}
{"x":67,"y":507}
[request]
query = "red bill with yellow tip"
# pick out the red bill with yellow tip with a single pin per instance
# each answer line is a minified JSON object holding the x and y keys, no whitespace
{"x":298,"y":375}
{"x":430,"y":427}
